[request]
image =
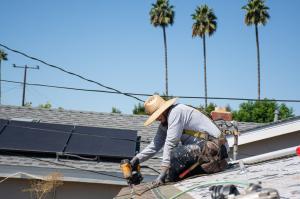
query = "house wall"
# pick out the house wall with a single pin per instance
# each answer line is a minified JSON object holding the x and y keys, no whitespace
{"x":268,"y":145}
{"x":15,"y":189}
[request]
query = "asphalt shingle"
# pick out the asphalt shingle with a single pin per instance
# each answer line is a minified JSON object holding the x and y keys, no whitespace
{"x":93,"y":119}
{"x":282,"y":175}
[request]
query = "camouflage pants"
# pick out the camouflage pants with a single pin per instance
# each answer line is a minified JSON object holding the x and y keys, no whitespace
{"x":210,"y":154}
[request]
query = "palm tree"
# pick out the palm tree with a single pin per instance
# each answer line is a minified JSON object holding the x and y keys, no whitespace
{"x":205,"y":22}
{"x":162,"y":15}
{"x":256,"y":13}
{"x":3,"y":56}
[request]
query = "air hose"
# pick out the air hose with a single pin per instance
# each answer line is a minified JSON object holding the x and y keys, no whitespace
{"x":209,"y":184}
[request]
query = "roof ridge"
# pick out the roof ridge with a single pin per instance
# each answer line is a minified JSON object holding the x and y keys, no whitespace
{"x":70,"y":111}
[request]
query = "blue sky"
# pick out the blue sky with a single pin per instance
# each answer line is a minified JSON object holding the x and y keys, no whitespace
{"x":113,"y":42}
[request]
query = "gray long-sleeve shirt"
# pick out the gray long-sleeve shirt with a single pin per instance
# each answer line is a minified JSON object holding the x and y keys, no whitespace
{"x":181,"y":117}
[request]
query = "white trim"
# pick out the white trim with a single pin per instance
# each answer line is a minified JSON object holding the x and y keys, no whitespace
{"x":21,"y":175}
{"x":24,"y":175}
{"x":266,"y":132}
{"x":269,"y":156}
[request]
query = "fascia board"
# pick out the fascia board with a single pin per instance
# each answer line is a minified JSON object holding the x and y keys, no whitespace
{"x":269,"y":156}
{"x":23,"y":175}
{"x":266,"y":132}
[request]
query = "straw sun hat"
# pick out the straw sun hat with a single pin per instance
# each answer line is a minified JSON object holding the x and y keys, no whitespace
{"x":155,"y":106}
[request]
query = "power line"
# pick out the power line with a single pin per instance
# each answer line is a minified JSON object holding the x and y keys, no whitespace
{"x":68,"y":72}
{"x":39,"y":94}
{"x":11,"y":89}
{"x":147,"y":95}
{"x":72,"y":88}
{"x":119,"y":92}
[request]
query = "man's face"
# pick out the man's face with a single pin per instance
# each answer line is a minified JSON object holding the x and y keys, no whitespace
{"x":162,"y":118}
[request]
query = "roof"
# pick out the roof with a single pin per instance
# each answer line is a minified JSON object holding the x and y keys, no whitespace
{"x":266,"y":131}
{"x":85,"y":118}
{"x":281,"y":174}
{"x":263,"y":125}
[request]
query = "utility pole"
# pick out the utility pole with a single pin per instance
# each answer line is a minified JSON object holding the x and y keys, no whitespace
{"x":25,"y":77}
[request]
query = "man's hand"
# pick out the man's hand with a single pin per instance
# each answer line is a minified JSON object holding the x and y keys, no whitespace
{"x":134,"y":162}
{"x":161,"y":178}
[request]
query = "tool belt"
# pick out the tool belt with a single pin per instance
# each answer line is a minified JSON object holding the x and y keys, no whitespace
{"x":212,"y":157}
{"x":202,"y":135}
{"x":197,"y":134}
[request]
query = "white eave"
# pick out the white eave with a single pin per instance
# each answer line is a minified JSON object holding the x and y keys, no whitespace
{"x":266,"y":132}
{"x":69,"y":175}
{"x":269,"y":156}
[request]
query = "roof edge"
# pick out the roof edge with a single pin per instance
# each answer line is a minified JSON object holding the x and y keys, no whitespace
{"x":71,"y":110}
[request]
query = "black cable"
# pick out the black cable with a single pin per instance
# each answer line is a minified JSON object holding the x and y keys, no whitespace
{"x":68,"y":72}
{"x":72,"y":88}
{"x":147,"y":95}
{"x":69,"y":166}
{"x":73,"y":167}
{"x":8,"y":90}
{"x":240,"y":99}
{"x":60,"y":154}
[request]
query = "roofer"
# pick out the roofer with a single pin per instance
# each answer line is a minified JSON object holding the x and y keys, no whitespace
{"x":190,"y":140}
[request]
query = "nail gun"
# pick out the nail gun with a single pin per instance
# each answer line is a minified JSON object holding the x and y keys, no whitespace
{"x":132,"y":173}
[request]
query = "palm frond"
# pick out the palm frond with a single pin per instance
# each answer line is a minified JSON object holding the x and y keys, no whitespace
{"x":205,"y":21}
{"x":3,"y":55}
{"x":162,"y":14}
{"x":256,"y":12}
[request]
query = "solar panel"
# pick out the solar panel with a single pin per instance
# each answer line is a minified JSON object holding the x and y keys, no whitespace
{"x":119,"y":148}
{"x":103,"y":142}
{"x":2,"y":121}
{"x":2,"y":124}
{"x":18,"y":138}
{"x":46,"y":126}
{"x":105,"y":147}
{"x":107,"y":132}
{"x":84,"y":145}
{"x":48,"y":138}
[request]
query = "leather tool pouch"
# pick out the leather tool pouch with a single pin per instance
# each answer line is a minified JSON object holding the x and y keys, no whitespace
{"x":213,"y":158}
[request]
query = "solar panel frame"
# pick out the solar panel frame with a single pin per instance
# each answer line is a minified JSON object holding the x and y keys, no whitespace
{"x":44,"y":126}
{"x":3,"y":123}
{"x":16,"y":138}
{"x":35,"y":137}
{"x":99,"y":142}
{"x":107,"y":132}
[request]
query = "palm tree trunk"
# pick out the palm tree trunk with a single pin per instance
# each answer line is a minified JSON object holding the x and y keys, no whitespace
{"x":205,"y":80}
{"x":166,"y":60}
{"x":258,"y":62}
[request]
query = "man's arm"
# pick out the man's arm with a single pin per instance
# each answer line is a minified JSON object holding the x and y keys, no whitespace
{"x":174,"y":132}
{"x":156,"y":144}
{"x":175,"y":128}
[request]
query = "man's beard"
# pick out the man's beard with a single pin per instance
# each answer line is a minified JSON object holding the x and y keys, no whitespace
{"x":166,"y":115}
{"x":165,"y":123}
